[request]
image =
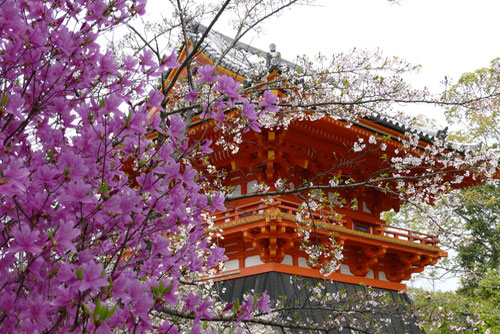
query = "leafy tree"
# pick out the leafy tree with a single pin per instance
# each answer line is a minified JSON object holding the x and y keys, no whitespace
{"x":103,"y":227}
{"x":452,"y":312}
{"x":469,"y":218}
{"x":478,"y":119}
{"x":481,"y":213}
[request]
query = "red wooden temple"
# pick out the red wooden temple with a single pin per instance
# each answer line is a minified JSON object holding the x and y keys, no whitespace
{"x":261,"y":234}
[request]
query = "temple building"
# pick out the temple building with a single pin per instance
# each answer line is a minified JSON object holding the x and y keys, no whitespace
{"x":263,"y":235}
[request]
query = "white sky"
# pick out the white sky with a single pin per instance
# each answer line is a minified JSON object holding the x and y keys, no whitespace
{"x":447,"y":37}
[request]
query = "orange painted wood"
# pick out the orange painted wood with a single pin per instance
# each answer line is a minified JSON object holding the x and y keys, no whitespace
{"x":308,"y":272}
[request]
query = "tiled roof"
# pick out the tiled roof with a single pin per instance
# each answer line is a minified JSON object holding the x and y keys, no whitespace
{"x":242,"y":59}
{"x":277,"y":285}
{"x":392,"y":123}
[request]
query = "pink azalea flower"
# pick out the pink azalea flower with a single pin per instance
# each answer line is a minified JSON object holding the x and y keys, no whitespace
{"x":65,"y":235}
{"x":218,"y":202}
{"x":77,"y":192}
{"x":35,"y":313}
{"x":268,"y":100}
{"x":191,"y":96}
{"x":91,"y":277}
{"x":25,"y":240}
{"x":264,"y":302}
{"x":171,"y":296}
{"x":215,"y":256}
{"x":15,"y":179}
{"x":176,"y":126}
{"x":190,"y":302}
{"x":155,"y":99}
{"x":229,"y":86}
{"x":171,"y":61}
{"x":146,"y":59}
{"x":246,"y":309}
{"x":205,"y":147}
{"x":249,"y":110}
{"x":207,"y":73}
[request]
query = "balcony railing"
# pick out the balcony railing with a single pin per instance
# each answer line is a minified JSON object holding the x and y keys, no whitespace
{"x":289,"y":209}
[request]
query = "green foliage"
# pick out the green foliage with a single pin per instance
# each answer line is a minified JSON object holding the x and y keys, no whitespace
{"x":451,"y":312}
{"x":481,"y":213}
{"x":477,"y":108}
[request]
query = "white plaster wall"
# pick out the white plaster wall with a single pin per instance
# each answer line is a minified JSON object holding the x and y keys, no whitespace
{"x":232,"y":265}
{"x":303,"y":262}
{"x":344,"y":269}
{"x":370,"y":274}
{"x":253,"y":261}
{"x":236,"y":191}
{"x":252,"y":187}
{"x":287,"y":260}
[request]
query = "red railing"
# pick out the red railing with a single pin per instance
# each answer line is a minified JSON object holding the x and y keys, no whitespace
{"x":325,"y":218}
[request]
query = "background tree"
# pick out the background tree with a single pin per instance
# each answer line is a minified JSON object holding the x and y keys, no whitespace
{"x":481,"y":212}
{"x":478,"y":119}
{"x":468,"y":221}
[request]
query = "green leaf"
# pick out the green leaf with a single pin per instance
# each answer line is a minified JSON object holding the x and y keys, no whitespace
{"x":4,"y":100}
{"x":97,"y":309}
{"x":79,"y":273}
{"x":86,"y":309}
{"x":103,"y":187}
{"x":168,"y":289}
{"x":110,"y":314}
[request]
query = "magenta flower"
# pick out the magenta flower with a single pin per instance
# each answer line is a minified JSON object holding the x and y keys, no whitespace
{"x":205,"y":147}
{"x":246,"y":309}
{"x":108,"y":64}
{"x":229,"y":86}
{"x":141,"y":307}
{"x":215,"y":256}
{"x":171,"y":61}
{"x":191,"y":96}
{"x":72,"y":165}
{"x":254,"y":125}
{"x":206,"y":73}
{"x":112,"y":103}
{"x":268,"y":100}
{"x":264,"y":302}
{"x":176,"y":126}
{"x":155,"y":99}
{"x":129,"y":63}
{"x":15,"y":105}
{"x":171,"y":296}
{"x":91,"y":277}
{"x":136,"y":124}
{"x":218,"y":113}
{"x":218,"y":202}
{"x":15,"y":179}
{"x":190,"y":302}
{"x":35,"y":315}
{"x":146,"y":59}
{"x":168,"y":328}
{"x":25,"y":240}
{"x":248,"y":110}
{"x":78,"y":192}
{"x":146,"y":181}
{"x":65,"y":235}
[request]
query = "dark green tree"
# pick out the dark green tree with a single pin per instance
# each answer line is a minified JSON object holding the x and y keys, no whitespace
{"x":481,"y":213}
